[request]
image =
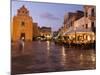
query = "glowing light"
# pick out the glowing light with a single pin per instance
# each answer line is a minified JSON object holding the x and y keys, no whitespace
{"x":81,"y":59}
{"x":48,"y":47}
{"x":89,"y":38}
{"x":93,"y":57}
{"x":93,"y":38}
{"x":63,"y":51}
{"x":48,"y":36}
{"x":63,"y":56}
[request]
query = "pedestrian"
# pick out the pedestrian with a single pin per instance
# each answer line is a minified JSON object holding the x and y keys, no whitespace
{"x":21,"y":44}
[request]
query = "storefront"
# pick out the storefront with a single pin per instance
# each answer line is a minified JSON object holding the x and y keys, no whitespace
{"x":80,"y":36}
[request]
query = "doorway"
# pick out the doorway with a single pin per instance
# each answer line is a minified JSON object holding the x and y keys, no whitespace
{"x":22,"y":36}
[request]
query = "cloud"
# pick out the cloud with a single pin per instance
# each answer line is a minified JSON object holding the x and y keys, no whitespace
{"x":49,"y":16}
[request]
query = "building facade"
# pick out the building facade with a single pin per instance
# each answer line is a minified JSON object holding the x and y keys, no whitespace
{"x":46,"y":32}
{"x":82,"y":29}
{"x":87,"y":25}
{"x":23,"y":26}
{"x":36,"y":32}
{"x":90,"y":17}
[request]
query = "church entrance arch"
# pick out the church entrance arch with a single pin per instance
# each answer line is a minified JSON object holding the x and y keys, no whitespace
{"x":22,"y":36}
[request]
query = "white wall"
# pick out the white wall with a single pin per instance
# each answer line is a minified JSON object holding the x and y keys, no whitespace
{"x":79,"y":22}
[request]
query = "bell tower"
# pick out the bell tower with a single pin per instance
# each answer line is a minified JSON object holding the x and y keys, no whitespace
{"x":22,"y":11}
{"x":22,"y":25}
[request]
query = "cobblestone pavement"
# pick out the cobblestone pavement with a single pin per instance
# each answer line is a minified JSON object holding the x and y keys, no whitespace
{"x":45,"y":56}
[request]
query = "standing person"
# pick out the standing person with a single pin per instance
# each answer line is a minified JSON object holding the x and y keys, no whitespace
{"x":21,"y":44}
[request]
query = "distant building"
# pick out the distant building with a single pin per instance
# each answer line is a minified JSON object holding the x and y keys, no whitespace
{"x":46,"y":32}
{"x":23,"y":25}
{"x":36,"y":32}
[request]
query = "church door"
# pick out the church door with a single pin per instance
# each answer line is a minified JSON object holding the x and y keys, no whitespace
{"x":22,"y":36}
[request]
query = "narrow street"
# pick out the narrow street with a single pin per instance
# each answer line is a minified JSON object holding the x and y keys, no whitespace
{"x":46,"y":56}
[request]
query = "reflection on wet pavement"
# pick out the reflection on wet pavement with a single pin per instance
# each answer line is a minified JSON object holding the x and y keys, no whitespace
{"x":46,"y":56}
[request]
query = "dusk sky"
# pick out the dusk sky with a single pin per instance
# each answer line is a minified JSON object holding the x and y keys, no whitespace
{"x":46,"y":14}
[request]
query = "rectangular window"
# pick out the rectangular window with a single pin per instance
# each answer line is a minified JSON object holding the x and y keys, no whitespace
{"x":93,"y":24}
{"x":86,"y":14}
{"x":22,"y":23}
{"x":86,"y":26}
{"x":93,"y":27}
{"x":92,"y":12}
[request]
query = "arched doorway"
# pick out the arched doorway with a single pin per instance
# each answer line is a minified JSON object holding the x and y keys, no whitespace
{"x":22,"y":36}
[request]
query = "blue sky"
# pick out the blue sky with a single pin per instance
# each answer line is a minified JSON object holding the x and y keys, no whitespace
{"x":46,"y":14}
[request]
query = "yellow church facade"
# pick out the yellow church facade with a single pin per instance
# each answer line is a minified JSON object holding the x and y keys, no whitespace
{"x":22,"y":25}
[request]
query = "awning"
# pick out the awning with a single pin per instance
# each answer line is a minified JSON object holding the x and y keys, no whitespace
{"x":72,"y":30}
